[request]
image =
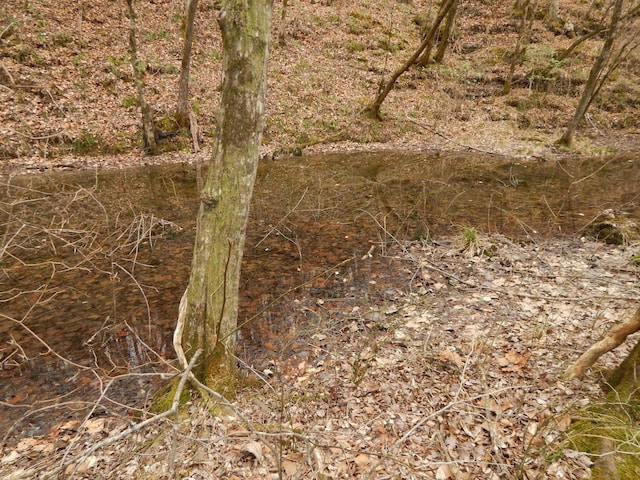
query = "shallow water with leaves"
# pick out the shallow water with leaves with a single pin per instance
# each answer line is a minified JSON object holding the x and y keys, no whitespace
{"x":93,"y":264}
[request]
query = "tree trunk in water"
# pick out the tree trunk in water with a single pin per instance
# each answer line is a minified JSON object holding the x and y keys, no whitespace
{"x":425,"y":46}
{"x":594,"y":75}
{"x":209,"y":308}
{"x":183,"y":110}
{"x":447,"y":33}
{"x":148,"y":129}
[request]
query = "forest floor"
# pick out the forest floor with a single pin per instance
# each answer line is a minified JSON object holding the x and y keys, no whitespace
{"x":458,"y":374}
{"x":69,"y":100}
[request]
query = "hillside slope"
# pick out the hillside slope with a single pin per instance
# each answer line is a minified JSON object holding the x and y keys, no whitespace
{"x":66,"y":84}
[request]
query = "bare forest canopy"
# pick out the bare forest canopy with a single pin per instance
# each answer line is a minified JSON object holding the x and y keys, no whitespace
{"x":67,"y":87}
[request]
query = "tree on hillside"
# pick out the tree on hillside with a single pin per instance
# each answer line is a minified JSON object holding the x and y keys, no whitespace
{"x":552,"y":17}
{"x":526,"y":9}
{"x":597,"y":75}
{"x":423,"y":49}
{"x":446,"y":33}
{"x":148,"y":129}
{"x":183,"y":110}
{"x":283,"y":24}
{"x":208,"y":313}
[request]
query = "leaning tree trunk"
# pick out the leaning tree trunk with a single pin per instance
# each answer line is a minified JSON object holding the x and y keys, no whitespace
{"x":183,"y":110}
{"x":209,"y":307}
{"x":594,"y":75}
{"x":446,"y":7}
{"x":425,"y":46}
{"x":446,"y":34}
{"x":148,"y":130}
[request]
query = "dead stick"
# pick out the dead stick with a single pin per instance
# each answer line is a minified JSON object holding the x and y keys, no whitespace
{"x":615,"y":338}
{"x":109,"y":440}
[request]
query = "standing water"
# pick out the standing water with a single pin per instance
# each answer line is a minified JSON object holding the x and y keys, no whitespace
{"x":93,"y":264}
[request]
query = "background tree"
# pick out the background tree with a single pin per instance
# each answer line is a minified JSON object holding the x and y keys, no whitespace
{"x":424,"y":49}
{"x":148,"y":130}
{"x":209,"y":308}
{"x":446,"y":33}
{"x":595,"y":75}
{"x":283,"y":24}
{"x":183,"y":109}
{"x":525,"y":9}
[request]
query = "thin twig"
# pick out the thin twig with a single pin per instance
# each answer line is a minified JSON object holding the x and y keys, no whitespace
{"x":275,"y":227}
{"x":139,"y":426}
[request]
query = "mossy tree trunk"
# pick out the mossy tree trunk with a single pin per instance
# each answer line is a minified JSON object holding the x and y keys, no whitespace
{"x":283,"y":24}
{"x":552,"y":17}
{"x":183,"y":109}
{"x":595,"y":75}
{"x":209,"y":308}
{"x":625,"y":378}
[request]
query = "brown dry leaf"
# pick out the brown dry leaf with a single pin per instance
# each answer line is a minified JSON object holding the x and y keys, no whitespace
{"x":290,"y":468}
{"x":362,"y":461}
{"x":12,"y":456}
{"x":564,"y":422}
{"x":444,"y":473}
{"x":84,"y":467}
{"x":94,"y":425}
{"x":513,"y":361}
{"x":70,"y":425}
{"x":449,"y":355}
{"x":26,"y":444}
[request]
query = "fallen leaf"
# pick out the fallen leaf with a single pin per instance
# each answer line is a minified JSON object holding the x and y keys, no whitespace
{"x":362,"y":461}
{"x":444,"y":472}
{"x":290,"y":468}
{"x":513,"y":361}
{"x":253,"y":449}
{"x":564,"y":422}
{"x":449,"y":355}
{"x":94,"y":425}
{"x":13,"y":455}
{"x":87,"y":464}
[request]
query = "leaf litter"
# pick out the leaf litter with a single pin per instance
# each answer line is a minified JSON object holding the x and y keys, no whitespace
{"x":455,"y":376}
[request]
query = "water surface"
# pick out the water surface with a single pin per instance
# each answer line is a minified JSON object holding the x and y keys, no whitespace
{"x":93,"y":264}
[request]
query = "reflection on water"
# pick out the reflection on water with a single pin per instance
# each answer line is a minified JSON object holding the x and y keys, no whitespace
{"x":92,"y":265}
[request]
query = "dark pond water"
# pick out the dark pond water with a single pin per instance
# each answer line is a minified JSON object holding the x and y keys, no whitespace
{"x":92,"y":265}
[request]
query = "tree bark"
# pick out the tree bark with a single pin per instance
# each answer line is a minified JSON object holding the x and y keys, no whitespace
{"x":447,"y":33}
{"x":524,"y":36}
{"x":594,"y":75}
{"x":283,"y":24}
{"x":183,"y":110}
{"x":552,"y":18}
{"x":425,"y":46}
{"x":209,"y":307}
{"x":148,"y":130}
